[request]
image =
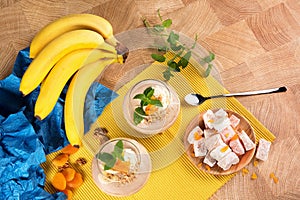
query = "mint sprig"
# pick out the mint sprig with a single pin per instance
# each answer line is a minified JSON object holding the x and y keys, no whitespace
{"x":146,"y":99}
{"x":182,"y":53}
{"x":110,"y":158}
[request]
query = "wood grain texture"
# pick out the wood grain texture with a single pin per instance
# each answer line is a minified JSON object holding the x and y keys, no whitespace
{"x":231,"y":11}
{"x":233,"y":45}
{"x":274,"y":27}
{"x":257,"y":43}
{"x":189,"y":24}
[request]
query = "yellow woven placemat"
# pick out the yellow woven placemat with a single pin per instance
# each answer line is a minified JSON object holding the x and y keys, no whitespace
{"x":173,"y":175}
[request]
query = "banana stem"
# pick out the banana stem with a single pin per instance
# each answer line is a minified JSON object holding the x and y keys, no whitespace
{"x":119,"y":47}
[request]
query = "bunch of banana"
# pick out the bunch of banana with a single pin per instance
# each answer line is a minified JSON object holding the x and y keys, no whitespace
{"x":76,"y":47}
{"x":71,"y":23}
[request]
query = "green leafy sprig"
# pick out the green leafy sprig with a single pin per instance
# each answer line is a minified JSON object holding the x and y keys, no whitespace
{"x":110,"y":158}
{"x":146,"y":99}
{"x":182,"y":53}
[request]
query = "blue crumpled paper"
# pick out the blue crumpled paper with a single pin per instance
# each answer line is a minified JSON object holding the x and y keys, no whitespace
{"x":25,"y":141}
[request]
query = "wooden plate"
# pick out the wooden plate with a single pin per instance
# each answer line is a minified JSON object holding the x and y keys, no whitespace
{"x":216,"y":170}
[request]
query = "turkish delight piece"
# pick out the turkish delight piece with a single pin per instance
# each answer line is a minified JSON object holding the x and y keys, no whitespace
{"x":220,"y":151}
{"x":200,"y":148}
{"x":221,"y":120}
{"x":209,"y":132}
{"x":236,"y":145}
{"x":213,"y":141}
{"x":221,"y":113}
{"x":227,"y":134}
{"x":227,"y":161}
{"x":263,"y":149}
{"x":247,"y":142}
{"x":208,"y":118}
{"x":195,"y":134}
{"x":234,"y":121}
{"x":209,"y":160}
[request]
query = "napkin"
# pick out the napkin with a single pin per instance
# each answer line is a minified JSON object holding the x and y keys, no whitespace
{"x":25,"y":140}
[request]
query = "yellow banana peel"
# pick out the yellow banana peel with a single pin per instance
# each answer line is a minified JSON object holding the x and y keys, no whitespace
{"x":53,"y":52}
{"x":75,"y":98}
{"x":61,"y":73}
{"x":70,"y":23}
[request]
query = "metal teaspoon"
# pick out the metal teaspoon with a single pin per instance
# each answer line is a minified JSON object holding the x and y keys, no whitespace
{"x":197,"y":99}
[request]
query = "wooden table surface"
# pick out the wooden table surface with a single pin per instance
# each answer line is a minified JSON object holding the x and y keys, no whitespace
{"x":257,"y":43}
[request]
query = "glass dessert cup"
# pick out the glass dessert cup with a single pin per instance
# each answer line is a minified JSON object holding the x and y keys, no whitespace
{"x":129,"y":173}
{"x":155,"y":119}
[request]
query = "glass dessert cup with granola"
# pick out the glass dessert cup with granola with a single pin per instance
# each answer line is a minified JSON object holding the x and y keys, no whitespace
{"x":121,"y":167}
{"x":151,"y":106}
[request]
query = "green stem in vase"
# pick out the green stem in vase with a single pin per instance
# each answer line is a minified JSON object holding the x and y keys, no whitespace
{"x":172,"y":43}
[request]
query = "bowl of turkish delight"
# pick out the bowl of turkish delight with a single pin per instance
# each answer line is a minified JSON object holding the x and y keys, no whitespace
{"x":219,"y":141}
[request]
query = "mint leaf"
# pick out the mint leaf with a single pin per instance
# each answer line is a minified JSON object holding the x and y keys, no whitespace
{"x":105,"y":157}
{"x":159,"y":28}
{"x":144,"y":103}
{"x":140,"y":111}
{"x":173,"y":38}
{"x":108,"y":159}
{"x":167,"y":23}
{"x":158,"y":57}
{"x":176,"y":48}
{"x":150,"y":93}
{"x":167,"y":74}
{"x":188,"y":55}
{"x":137,"y":118}
{"x":118,"y":149}
{"x":173,"y":66}
{"x":184,"y":61}
{"x":156,"y":103}
{"x":147,"y":90}
{"x":208,"y":70}
{"x":162,"y":48}
{"x":209,"y":58}
{"x":140,"y":96}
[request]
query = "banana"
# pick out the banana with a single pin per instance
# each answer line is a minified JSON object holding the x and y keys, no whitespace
{"x":61,"y":73}
{"x":75,"y":98}
{"x":70,"y":23}
{"x":53,"y":52}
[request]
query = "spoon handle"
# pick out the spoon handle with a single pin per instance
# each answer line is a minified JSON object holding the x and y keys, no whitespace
{"x":267,"y":91}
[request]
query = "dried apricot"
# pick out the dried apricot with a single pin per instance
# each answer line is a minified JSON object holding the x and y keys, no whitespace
{"x":69,"y":193}
{"x":76,"y":182}
{"x":255,"y":163}
{"x":272,"y":175}
{"x":69,"y":173}
{"x":122,"y":166}
{"x":60,"y":160}
{"x":199,"y":165}
{"x":59,"y":181}
{"x":235,"y":137}
{"x":245,"y":171}
{"x":70,"y":149}
{"x":253,"y":176}
{"x":197,"y":136}
{"x":224,"y":149}
{"x":276,"y":180}
{"x":207,"y":167}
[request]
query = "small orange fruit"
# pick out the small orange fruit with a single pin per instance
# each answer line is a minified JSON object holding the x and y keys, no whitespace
{"x":59,"y":181}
